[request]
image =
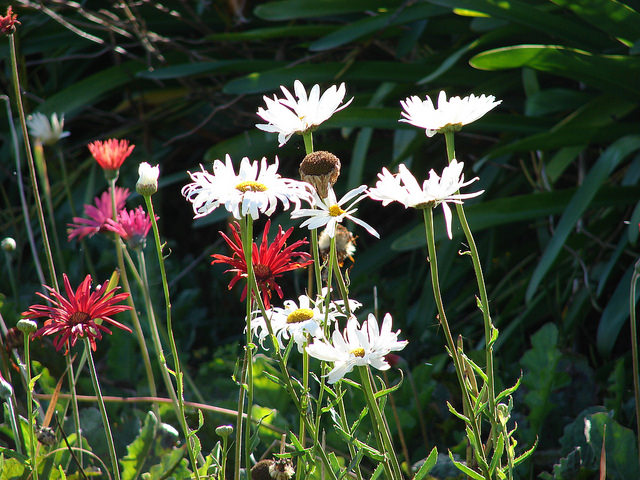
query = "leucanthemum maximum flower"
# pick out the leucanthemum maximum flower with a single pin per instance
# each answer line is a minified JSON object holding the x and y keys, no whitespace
{"x":286,"y":116}
{"x":450,"y":114}
{"x":44,"y":130}
{"x":253,"y":190}
{"x":330,"y":212}
{"x":296,"y":321}
{"x":358,"y":346}
{"x":75,"y":316}
{"x":435,"y":190}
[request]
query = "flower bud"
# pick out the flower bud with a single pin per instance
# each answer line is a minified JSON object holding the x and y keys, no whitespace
{"x":148,"y":179}
{"x":224,"y":430}
{"x":8,"y":244}
{"x":27,"y":326}
{"x":321,"y":169}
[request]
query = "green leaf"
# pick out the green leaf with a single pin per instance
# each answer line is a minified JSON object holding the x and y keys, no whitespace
{"x":295,"y":9}
{"x":580,"y":201}
{"x":497,"y":454}
{"x":138,"y":450}
{"x":612,"y":17}
{"x":428,"y":464}
{"x":614,"y":74}
{"x":89,"y":90}
{"x":172,"y":465}
{"x":219,"y":66}
{"x":529,"y":15}
{"x":466,"y":470}
{"x":369,"y":25}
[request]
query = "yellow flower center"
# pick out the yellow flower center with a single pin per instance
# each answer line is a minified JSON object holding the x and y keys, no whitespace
{"x":251,"y":186}
{"x":300,"y":315}
{"x":335,"y":210}
{"x":358,"y":352}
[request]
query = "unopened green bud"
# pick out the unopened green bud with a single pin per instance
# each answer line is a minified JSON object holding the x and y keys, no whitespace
{"x":27,"y":326}
{"x":224,"y":430}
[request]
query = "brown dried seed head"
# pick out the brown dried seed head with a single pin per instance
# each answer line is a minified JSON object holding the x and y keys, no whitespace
{"x":321,"y":169}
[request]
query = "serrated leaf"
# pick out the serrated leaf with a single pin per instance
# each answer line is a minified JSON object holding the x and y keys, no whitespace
{"x":428,"y":464}
{"x":138,"y":450}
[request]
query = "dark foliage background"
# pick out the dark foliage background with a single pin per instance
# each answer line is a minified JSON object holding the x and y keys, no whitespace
{"x":559,"y":161}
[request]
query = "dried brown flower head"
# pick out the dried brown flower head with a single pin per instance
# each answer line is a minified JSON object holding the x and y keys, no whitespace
{"x":321,"y":169}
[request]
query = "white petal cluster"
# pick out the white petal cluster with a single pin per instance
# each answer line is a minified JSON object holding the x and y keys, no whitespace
{"x":329,"y":211}
{"x":452,"y":113}
{"x":45,"y":131}
{"x":435,"y":190}
{"x":255,"y":189}
{"x":289,"y":115}
{"x":357,"y":346}
{"x":298,"y":320}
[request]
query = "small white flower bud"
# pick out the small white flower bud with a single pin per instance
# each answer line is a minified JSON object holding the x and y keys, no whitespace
{"x":27,"y":326}
{"x":148,"y":179}
{"x":8,"y":244}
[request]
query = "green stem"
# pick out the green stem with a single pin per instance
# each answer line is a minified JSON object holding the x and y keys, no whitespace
{"x":344,"y":423}
{"x":32,"y":435}
{"x":41,"y":167}
{"x":13,"y":419}
{"x":453,"y":351}
{"x":308,"y":142}
{"x":65,"y":181}
{"x":246,"y":233}
{"x":489,"y":329}
{"x":133,"y":313}
{"x":174,"y":351}
{"x":12,"y":280}
{"x":634,"y":348}
{"x":289,"y":384}
{"x":392,"y":467}
{"x":103,"y":411}
{"x":30,"y":163}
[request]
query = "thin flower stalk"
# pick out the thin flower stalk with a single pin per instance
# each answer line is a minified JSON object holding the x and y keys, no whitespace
{"x":23,"y":198}
{"x":41,"y":167}
{"x":253,"y":286}
{"x":308,"y":146}
{"x":32,"y":435}
{"x":634,"y":347}
{"x":392,"y":466}
{"x":133,"y":311}
{"x":30,"y":161}
{"x":172,"y":343}
{"x":103,"y":410}
{"x":453,"y":351}
{"x":489,"y":329}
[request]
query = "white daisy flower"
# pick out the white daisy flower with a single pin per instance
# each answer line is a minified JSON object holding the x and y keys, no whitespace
{"x":253,"y":190}
{"x":286,"y":116}
{"x":435,"y":190}
{"x":357,"y":346}
{"x":45,"y":131}
{"x":450,"y":114}
{"x":329,"y":212}
{"x":296,"y":321}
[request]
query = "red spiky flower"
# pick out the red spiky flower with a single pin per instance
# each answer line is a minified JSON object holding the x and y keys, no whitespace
{"x":8,"y":22}
{"x":111,"y":153}
{"x":269,"y":261}
{"x":77,"y":315}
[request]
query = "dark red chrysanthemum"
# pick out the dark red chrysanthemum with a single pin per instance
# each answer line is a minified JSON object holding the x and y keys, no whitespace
{"x":269,"y":261}
{"x":75,"y":317}
{"x":97,"y":215}
{"x":111,"y":153}
{"x":8,"y":22}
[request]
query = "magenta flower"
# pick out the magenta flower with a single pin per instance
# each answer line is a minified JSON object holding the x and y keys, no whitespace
{"x":75,"y":317}
{"x":132,"y":226}
{"x":97,"y":215}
